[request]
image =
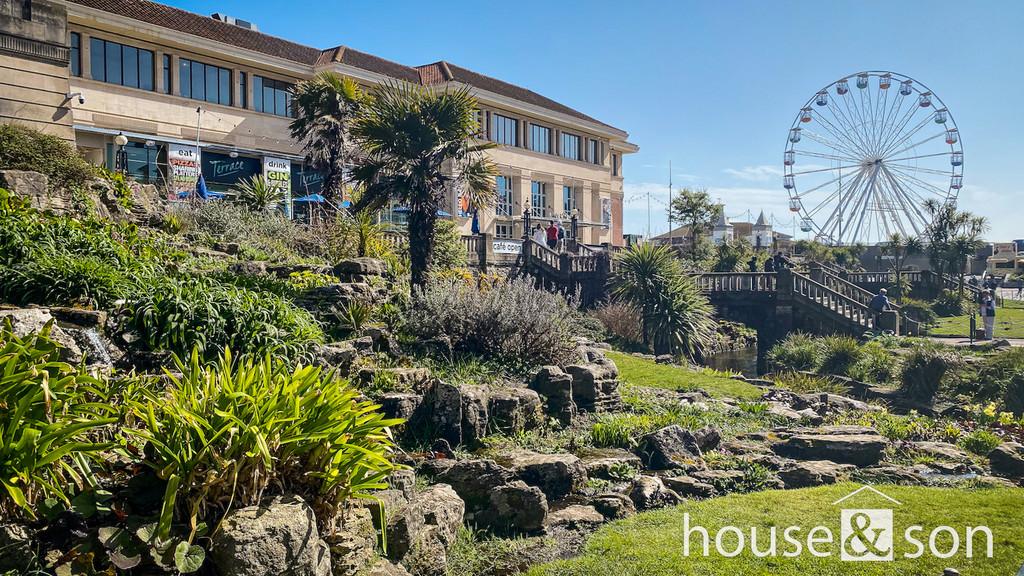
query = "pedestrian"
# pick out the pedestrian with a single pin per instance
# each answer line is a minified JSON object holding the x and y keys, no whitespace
{"x":879,"y":303}
{"x":780,"y":262}
{"x":552,"y":236}
{"x":752,"y":265}
{"x":561,"y":236}
{"x":1020,"y":288}
{"x":538,"y":235}
{"x":769,"y":265}
{"x":987,"y":311}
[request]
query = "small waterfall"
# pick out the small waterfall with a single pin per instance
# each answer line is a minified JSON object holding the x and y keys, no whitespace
{"x":92,"y":345}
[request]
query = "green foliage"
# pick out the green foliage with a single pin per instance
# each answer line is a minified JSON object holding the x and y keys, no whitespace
{"x":919,"y":310}
{"x":512,"y":321}
{"x":647,"y":373}
{"x":354,"y":315}
{"x":621,"y":322}
{"x":267,"y":235}
{"x":838,"y":355}
{"x":876,"y":365}
{"x":233,"y":431}
{"x":797,"y":352}
{"x":449,"y":251}
{"x":803,"y":383}
{"x":694,"y":209}
{"x":675,"y":316}
{"x":23,"y":148}
{"x":47,"y":411}
{"x":307,"y":280}
{"x":734,"y":256}
{"x":121,"y":186}
{"x":258,"y":195}
{"x":923,"y":371}
{"x":980,"y":442}
{"x":949,"y":303}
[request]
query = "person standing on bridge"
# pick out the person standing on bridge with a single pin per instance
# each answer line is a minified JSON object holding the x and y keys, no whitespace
{"x":752,"y":265}
{"x":538,"y":235}
{"x":879,"y":304}
{"x":552,"y":234}
{"x":987,"y":311}
{"x":769,"y":265}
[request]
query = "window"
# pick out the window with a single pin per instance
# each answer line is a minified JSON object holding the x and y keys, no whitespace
{"x":538,"y":199}
{"x":503,"y":230}
{"x":76,"y":54}
{"x":207,"y":82}
{"x":26,"y":9}
{"x":167,"y":74}
{"x":503,"y":189}
{"x":570,"y":146}
{"x":615,"y":164}
{"x":540,"y":139}
{"x":568,"y":199}
{"x":271,"y":96}
{"x":504,"y":130}
{"x":115,"y":63}
{"x":595,"y":151}
{"x":243,"y":93}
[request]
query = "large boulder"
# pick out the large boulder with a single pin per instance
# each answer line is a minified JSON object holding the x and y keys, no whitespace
{"x":813,"y":473}
{"x":279,"y":538}
{"x":359,"y":268}
{"x":670,"y":447}
{"x":841,"y":444}
{"x":420,"y":532}
{"x":648,"y":492}
{"x":402,"y":405}
{"x":575,"y":516}
{"x":353,"y":543}
{"x":556,"y":389}
{"x":687,"y":486}
{"x":595,"y":385}
{"x":1008,"y":460}
{"x":516,"y":508}
{"x":472,"y":480}
{"x":558,"y":475}
{"x":611,"y":464}
{"x":336,"y":356}
{"x":16,"y":550}
{"x":25,"y":321}
{"x":613,"y":506}
{"x":35,"y":187}
{"x":514,"y":410}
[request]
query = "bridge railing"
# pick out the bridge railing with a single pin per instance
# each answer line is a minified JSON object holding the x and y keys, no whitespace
{"x":908,"y":325}
{"x":737,"y":282}
{"x":845,"y":306}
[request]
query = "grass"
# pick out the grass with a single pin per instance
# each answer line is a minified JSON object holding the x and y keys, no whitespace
{"x":642,"y":372}
{"x":1009,"y":322}
{"x":651,"y":544}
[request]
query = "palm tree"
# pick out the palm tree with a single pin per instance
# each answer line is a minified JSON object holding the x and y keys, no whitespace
{"x":258,"y":195}
{"x":900,"y":247}
{"x":416,"y":148}
{"x":324,"y":107}
{"x":674,"y":316}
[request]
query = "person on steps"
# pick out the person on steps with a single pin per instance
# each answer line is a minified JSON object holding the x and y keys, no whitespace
{"x":552,"y":235}
{"x":879,"y":304}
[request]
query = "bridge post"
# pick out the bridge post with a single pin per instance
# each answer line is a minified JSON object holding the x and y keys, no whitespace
{"x":889,"y":320}
{"x":778,"y":321}
{"x":482,"y":247}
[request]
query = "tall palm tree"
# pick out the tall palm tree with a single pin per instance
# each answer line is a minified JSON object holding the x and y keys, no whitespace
{"x":674,"y":316}
{"x":416,"y":148}
{"x":324,"y":106}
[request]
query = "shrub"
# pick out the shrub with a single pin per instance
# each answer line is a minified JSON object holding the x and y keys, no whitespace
{"x":512,"y":322}
{"x":1014,"y":398}
{"x":923,"y":370}
{"x":22,"y":148}
{"x":267,"y":235}
{"x":980,"y":442}
{"x":449,"y":251}
{"x":838,"y":354}
{"x":227,"y":434}
{"x":919,"y":310}
{"x":47,"y":410}
{"x":803,"y":383}
{"x":949,"y":303}
{"x":258,"y":195}
{"x":797,"y":352}
{"x":999,"y":378}
{"x":876,"y":365}
{"x":621,"y":321}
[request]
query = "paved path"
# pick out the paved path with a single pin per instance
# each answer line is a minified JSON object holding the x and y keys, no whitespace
{"x":960,"y":341}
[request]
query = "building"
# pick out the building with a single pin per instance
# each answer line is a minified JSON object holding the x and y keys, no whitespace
{"x":170,"y":80}
{"x":759,"y":234}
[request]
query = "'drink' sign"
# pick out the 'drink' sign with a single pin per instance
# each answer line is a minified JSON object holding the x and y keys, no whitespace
{"x":278,"y":173}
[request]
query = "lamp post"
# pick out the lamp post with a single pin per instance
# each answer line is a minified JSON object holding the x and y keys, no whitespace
{"x":526,"y":220}
{"x":121,"y":156}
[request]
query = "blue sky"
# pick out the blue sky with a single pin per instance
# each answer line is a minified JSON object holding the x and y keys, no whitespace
{"x":711,"y":86}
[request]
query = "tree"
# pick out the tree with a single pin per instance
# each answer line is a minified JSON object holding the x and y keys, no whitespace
{"x":674,"y":316}
{"x":953,"y":237}
{"x":734,"y":255}
{"x":416,"y":148}
{"x":694,"y":209}
{"x":900,"y":247}
{"x":325,"y":106}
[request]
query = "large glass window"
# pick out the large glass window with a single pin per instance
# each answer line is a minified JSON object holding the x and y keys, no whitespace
{"x":568,"y":199}
{"x":115,"y":63}
{"x":272,"y":96}
{"x":540,"y":139}
{"x":538,"y":199}
{"x":201,"y":81}
{"x":503,"y":230}
{"x":76,"y":54}
{"x":504,"y":130}
{"x":142,"y":162}
{"x":503,"y":189}
{"x":615,"y":164}
{"x":595,"y":151}
{"x":570,"y":146}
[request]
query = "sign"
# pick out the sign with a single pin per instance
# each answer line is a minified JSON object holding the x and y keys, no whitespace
{"x":184,"y":169}
{"x":306,"y":181}
{"x":278,"y":173}
{"x":507,"y":247}
{"x":606,"y":211}
{"x":227,"y":171}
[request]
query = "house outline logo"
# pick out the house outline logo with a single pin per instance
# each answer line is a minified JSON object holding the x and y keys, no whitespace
{"x":866,"y":534}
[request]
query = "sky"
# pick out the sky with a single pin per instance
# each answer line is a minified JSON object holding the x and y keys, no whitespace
{"x":712,"y":86}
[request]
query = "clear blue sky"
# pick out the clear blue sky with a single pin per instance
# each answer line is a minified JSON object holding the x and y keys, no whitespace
{"x":712,"y":86}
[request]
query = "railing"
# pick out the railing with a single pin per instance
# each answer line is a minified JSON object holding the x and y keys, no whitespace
{"x":736,"y":282}
{"x":397,"y":240}
{"x":852,"y":310}
{"x":855,"y":292}
{"x":472,"y":246}
{"x":541,"y":254}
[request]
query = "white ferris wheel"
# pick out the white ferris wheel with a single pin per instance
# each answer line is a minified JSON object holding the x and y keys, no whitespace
{"x":865,"y":153}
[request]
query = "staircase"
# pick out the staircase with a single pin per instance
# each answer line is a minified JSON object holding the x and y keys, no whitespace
{"x":584,"y":273}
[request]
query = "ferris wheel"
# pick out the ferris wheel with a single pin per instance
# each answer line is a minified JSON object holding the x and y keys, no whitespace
{"x":865,"y":153}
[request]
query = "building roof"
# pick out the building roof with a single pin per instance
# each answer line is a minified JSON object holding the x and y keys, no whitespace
{"x":761,"y":221}
{"x":427,"y":75}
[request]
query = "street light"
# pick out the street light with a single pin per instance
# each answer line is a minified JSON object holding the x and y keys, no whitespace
{"x":526,"y":220}
{"x":121,"y":157}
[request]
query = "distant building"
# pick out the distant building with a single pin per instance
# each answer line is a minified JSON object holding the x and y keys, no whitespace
{"x":759,"y":234}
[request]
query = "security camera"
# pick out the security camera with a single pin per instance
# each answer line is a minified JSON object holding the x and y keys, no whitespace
{"x":81,"y":98}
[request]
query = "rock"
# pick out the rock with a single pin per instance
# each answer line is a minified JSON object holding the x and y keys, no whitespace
{"x":402,"y":405}
{"x":862,"y":447}
{"x":472,"y":480}
{"x":25,"y":321}
{"x":445,"y":412}
{"x":721,"y":480}
{"x":613,"y":505}
{"x":382,"y":568}
{"x":595,"y":386}
{"x":813,"y":473}
{"x":443,"y":449}
{"x":888,"y":475}
{"x":648,"y":492}
{"x":555,"y":387}
{"x":665,"y":359}
{"x":336,"y":356}
{"x":611,"y":464}
{"x":670,"y":447}
{"x":516,"y":508}
{"x":1008,"y":460}
{"x":360,"y":267}
{"x":248,"y":268}
{"x":35,"y":187}
{"x":942,"y":451}
{"x":404,"y":481}
{"x":708,"y":438}
{"x":558,"y":475}
{"x":784,"y":411}
{"x":825,"y":403}
{"x":383,"y":340}
{"x":95,"y":319}
{"x":575,"y":516}
{"x":279,"y":538}
{"x":420,"y":533}
{"x":353,"y":544}
{"x":475,"y":417}
{"x":16,"y":550}
{"x":514,"y":410}
{"x":686,"y":486}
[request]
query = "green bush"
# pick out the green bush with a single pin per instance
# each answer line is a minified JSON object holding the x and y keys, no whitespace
{"x":449,"y":251}
{"x":797,"y":352}
{"x":621,"y":322}
{"x":998,"y":379}
{"x":949,"y":303}
{"x":980,"y":442}
{"x":923,"y":371}
{"x":838,"y":355}
{"x":919,"y":310}
{"x":230,"y":433}
{"x":803,"y":383}
{"x":22,"y":148}
{"x":1013,"y":399}
{"x":876,"y":365}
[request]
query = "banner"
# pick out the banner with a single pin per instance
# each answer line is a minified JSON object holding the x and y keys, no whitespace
{"x":226,"y":171}
{"x":606,"y":211}
{"x":507,"y":246}
{"x":278,"y":173}
{"x":184,"y":169}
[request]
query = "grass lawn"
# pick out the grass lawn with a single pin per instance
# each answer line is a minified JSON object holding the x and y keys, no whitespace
{"x":1009,"y":322}
{"x":651,"y":544}
{"x":642,"y":372}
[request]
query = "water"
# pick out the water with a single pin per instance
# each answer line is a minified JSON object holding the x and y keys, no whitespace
{"x":92,"y":345}
{"x":743,"y":361}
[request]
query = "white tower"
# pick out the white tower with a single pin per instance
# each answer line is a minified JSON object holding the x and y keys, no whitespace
{"x":723,"y":229}
{"x":761,"y":237}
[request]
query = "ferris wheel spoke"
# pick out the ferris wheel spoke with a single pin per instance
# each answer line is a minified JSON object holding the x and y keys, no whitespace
{"x":835,"y":219}
{"x":918,"y":169}
{"x":845,"y":117}
{"x":893,"y":194}
{"x":916,"y":144}
{"x":842,"y":134}
{"x":845,"y":126}
{"x":833,"y":196}
{"x":889,"y":120}
{"x":829,"y":169}
{"x":825,"y":156}
{"x":832,"y":181}
{"x":908,"y":135}
{"x":826,"y":142}
{"x":920,"y":182}
{"x":891,"y":160}
{"x":851,"y":103}
{"x":915,"y":207}
{"x":869,"y":192}
{"x":895,"y":129}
